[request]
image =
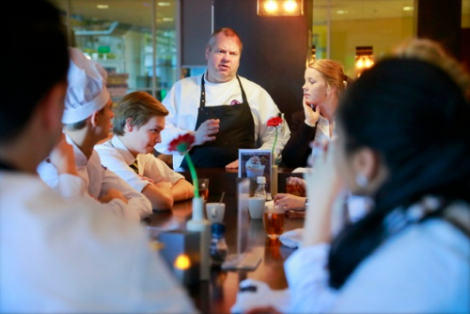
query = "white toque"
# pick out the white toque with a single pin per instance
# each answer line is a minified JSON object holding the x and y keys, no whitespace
{"x":86,"y":91}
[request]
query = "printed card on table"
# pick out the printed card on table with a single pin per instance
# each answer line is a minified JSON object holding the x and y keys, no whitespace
{"x":254,"y":163}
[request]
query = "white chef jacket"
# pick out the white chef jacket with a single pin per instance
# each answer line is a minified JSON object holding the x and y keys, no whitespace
{"x":183,"y":102}
{"x":423,"y":269}
{"x":68,"y":256}
{"x":116,"y":157}
{"x":98,"y":181}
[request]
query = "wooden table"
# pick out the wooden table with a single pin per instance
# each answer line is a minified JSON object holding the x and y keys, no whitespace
{"x":219,"y":294}
{"x":224,"y":180}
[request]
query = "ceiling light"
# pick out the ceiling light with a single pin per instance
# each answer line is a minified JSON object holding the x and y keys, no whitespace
{"x":167,"y":19}
{"x":270,"y":6}
{"x":102,"y":6}
{"x":290,"y":5}
{"x":408,"y":8}
{"x":163,"y":4}
{"x":280,"y":7}
{"x":342,"y":12}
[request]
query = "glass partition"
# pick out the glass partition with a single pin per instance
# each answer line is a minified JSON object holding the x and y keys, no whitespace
{"x":135,"y":41}
{"x":342,"y":26}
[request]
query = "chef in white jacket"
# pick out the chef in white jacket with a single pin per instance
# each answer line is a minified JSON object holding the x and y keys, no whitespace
{"x":57,"y":255}
{"x":87,"y":120}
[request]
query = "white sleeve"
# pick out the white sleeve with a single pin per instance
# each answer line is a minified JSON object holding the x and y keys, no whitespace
{"x":68,"y":186}
{"x":137,"y":202}
{"x":308,"y":280}
{"x":113,"y":160}
{"x":159,"y":171}
{"x":266,"y":109}
{"x":172,"y":102}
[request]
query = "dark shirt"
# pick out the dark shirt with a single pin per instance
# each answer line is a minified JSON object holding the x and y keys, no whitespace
{"x":297,"y":150}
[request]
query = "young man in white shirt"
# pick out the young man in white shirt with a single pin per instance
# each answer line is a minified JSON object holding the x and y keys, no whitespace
{"x":87,"y":120}
{"x":138,"y":121}
{"x":57,"y":255}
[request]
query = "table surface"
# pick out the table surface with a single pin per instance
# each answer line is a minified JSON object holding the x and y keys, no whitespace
{"x":219,"y":293}
{"x":224,"y":180}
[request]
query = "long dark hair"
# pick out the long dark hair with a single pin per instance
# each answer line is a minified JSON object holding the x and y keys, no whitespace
{"x":417,"y":119}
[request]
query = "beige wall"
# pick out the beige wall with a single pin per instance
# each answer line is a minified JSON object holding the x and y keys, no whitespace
{"x":382,"y":34}
{"x":465,"y":21}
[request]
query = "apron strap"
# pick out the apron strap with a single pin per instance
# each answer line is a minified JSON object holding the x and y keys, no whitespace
{"x":202,"y":99}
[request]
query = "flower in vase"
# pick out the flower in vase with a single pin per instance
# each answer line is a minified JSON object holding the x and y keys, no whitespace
{"x":182,"y":144}
{"x":275,"y":122}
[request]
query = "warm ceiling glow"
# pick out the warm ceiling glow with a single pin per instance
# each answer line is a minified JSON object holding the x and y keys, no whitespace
{"x":270,"y":6}
{"x":163,"y":4}
{"x":342,"y":11}
{"x":290,"y":5}
{"x":167,"y":19}
{"x":408,"y":8}
{"x":102,"y":6}
{"x":360,"y":63}
{"x":182,"y":262}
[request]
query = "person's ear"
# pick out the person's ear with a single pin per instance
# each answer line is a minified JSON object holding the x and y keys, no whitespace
{"x":208,"y":51}
{"x":94,"y":118}
{"x":368,"y":168}
{"x":128,"y":127}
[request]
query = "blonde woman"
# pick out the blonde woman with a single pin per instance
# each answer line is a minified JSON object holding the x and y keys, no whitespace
{"x":325,"y":80}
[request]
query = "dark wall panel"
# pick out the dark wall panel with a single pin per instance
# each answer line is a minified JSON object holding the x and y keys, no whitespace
{"x":441,"y":21}
{"x":196,"y":19}
{"x":275,"y":49}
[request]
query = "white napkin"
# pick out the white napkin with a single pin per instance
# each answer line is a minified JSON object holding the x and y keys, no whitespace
{"x":254,"y":293}
{"x":300,"y":170}
{"x":292,"y":238}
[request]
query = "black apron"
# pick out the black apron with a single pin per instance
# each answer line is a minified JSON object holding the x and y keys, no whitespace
{"x":236,"y":130}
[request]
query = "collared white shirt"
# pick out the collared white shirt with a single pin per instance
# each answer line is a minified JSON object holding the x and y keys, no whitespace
{"x":116,"y":157}
{"x":323,"y":131}
{"x":98,"y":181}
{"x":183,"y":102}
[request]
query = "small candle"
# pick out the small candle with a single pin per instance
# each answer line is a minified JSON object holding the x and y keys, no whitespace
{"x":182,"y":263}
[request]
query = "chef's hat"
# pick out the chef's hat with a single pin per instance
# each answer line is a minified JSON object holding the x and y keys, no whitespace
{"x":86,"y":92}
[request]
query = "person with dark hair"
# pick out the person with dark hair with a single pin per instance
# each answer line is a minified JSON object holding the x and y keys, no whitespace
{"x":224,"y":111}
{"x":415,"y":239}
{"x":87,"y":120}
{"x":138,"y":121}
{"x":61,"y":255}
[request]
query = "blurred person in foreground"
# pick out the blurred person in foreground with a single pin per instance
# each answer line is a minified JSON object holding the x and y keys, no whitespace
{"x":224,"y":111}
{"x":419,"y":228}
{"x":87,"y":120}
{"x":416,"y":237}
{"x":57,"y":255}
{"x":138,"y":121}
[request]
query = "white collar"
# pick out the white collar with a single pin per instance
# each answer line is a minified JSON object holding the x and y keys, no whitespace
{"x":80,"y":158}
{"x":128,"y":157}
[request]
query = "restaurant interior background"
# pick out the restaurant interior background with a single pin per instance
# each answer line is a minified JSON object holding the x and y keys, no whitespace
{"x":148,"y":45}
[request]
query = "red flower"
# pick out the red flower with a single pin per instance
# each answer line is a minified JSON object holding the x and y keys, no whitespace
{"x":182,"y":143}
{"x":275,"y":121}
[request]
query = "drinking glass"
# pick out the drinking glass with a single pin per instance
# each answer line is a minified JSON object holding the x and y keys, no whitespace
{"x":274,"y":221}
{"x":295,"y":186}
{"x":203,"y":188}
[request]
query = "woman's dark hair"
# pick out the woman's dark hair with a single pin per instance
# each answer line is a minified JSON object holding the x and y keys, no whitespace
{"x":418,"y":121}
{"x":35,"y":60}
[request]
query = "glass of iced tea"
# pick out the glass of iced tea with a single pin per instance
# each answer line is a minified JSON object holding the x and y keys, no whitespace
{"x":295,"y":186}
{"x":203,"y":188}
{"x":274,"y":221}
